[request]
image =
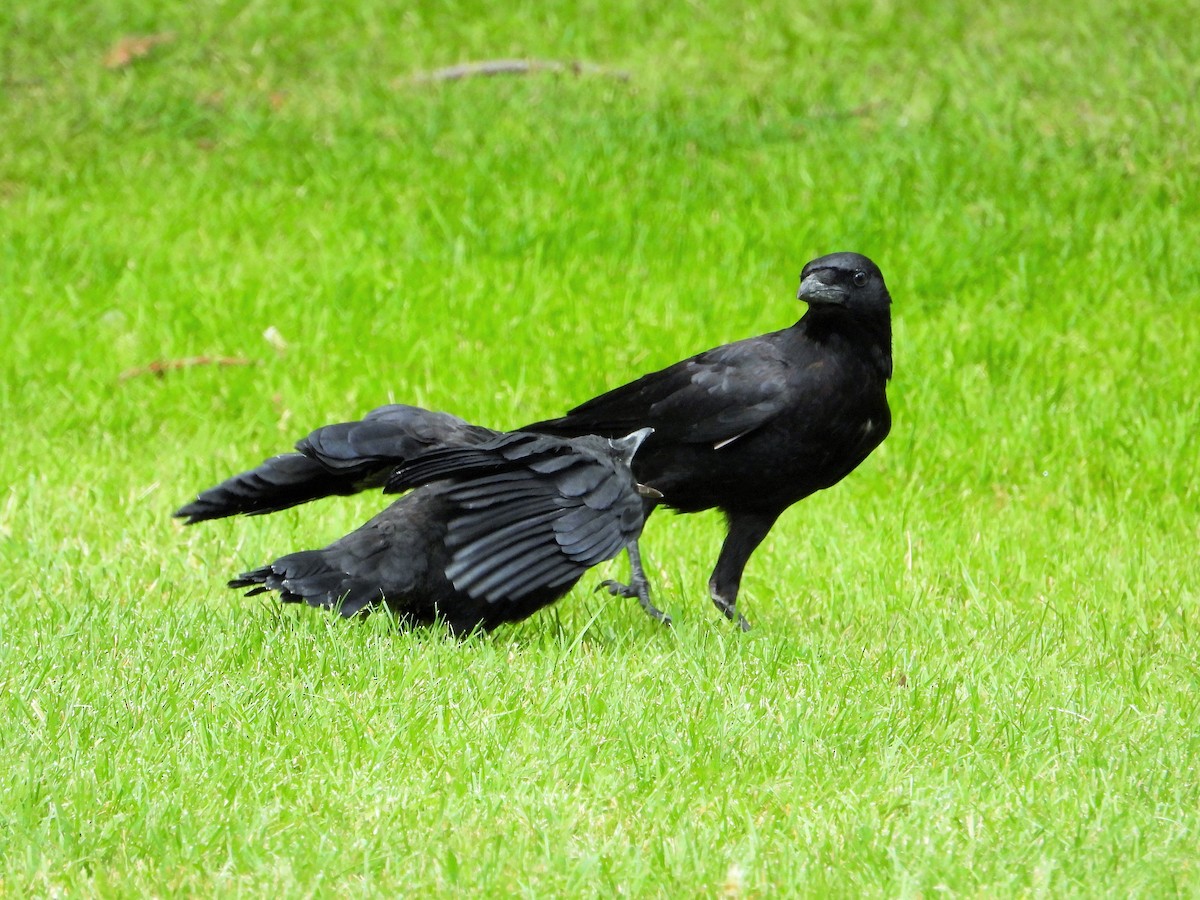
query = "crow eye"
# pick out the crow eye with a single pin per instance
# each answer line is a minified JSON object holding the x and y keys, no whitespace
{"x":860,"y":278}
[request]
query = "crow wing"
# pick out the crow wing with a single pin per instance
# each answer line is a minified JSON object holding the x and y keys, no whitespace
{"x":529,"y":512}
{"x":334,"y":460}
{"x":713,"y":398}
{"x":387,"y":436}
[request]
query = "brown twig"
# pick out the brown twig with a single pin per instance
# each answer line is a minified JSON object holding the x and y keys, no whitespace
{"x":491,"y":67}
{"x":160,"y":367}
{"x":133,"y":47}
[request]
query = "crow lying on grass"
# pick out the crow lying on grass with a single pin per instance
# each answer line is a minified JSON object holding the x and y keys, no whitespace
{"x":748,"y":428}
{"x":492,"y":533}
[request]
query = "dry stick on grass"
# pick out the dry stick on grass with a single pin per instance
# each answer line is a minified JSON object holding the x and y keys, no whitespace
{"x":160,"y":367}
{"x":492,"y":67}
{"x":133,"y":47}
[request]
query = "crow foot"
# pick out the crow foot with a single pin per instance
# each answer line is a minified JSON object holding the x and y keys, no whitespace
{"x":731,"y":613}
{"x":619,"y":589}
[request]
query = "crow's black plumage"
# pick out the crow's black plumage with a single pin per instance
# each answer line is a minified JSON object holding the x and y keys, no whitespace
{"x":492,"y":533}
{"x":335,"y":460}
{"x":752,"y":427}
{"x":748,"y":428}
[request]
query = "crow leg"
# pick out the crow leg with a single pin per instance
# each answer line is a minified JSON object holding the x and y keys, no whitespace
{"x":639,"y":585}
{"x":746,"y":532}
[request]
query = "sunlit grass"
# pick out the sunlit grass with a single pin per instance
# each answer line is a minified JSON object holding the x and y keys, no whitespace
{"x":973,"y":665}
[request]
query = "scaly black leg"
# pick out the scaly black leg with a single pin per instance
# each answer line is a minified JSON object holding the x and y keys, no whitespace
{"x":639,"y":585}
{"x":746,"y":532}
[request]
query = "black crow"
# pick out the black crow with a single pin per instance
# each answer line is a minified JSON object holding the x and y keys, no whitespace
{"x":752,"y":427}
{"x":492,"y":533}
{"x":748,"y":428}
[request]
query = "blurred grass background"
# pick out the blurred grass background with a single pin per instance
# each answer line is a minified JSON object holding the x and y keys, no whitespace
{"x":972,"y":668}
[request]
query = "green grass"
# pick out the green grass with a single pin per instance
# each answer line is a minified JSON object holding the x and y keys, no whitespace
{"x":973,"y":669}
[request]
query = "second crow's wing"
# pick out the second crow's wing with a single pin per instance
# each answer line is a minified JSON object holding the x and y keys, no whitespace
{"x":531,"y":512}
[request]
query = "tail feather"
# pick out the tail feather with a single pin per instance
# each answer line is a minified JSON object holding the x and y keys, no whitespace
{"x":278,"y":483}
{"x":335,"y":460}
{"x":307,"y":577}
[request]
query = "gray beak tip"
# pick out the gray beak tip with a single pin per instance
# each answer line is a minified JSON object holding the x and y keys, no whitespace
{"x":643,"y":433}
{"x":633,"y":440}
{"x":814,"y":290}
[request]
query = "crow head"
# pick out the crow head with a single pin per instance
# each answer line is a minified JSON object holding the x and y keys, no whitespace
{"x":847,"y":280}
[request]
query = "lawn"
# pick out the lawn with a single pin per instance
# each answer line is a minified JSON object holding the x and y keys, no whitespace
{"x":973,"y":668}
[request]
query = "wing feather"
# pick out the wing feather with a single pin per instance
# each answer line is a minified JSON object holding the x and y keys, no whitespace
{"x":528,"y":512}
{"x":713,"y":398}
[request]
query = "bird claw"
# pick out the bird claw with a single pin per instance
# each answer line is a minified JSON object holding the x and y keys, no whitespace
{"x":731,"y":613}
{"x":616,"y":588}
{"x":620,"y":589}
{"x":657,"y":614}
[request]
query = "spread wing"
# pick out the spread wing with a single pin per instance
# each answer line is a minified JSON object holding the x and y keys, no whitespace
{"x":531,"y":512}
{"x":337,"y":459}
{"x":386,"y":437}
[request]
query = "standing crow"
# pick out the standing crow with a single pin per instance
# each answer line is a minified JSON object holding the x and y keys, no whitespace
{"x":493,"y":532}
{"x":748,"y":428}
{"x":752,"y":427}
